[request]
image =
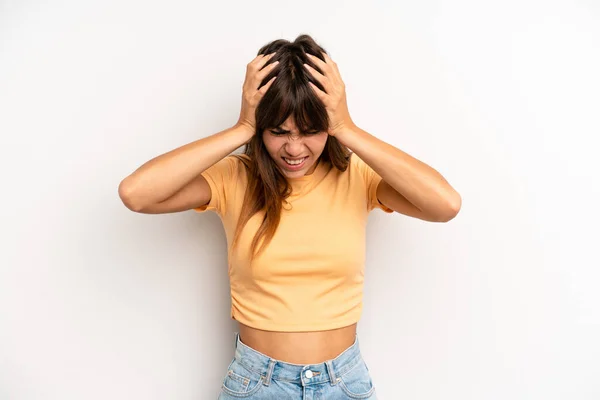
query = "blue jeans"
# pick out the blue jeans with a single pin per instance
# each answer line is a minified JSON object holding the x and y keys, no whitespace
{"x":253,"y":375}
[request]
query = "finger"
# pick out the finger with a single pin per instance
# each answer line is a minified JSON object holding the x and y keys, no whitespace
{"x":254,"y":66}
{"x":328,"y":59}
{"x":317,"y":75}
{"x":262,"y":55}
{"x":333,"y":65}
{"x":266,"y":87}
{"x":260,"y":63}
{"x":319,"y":63}
{"x":334,"y":75}
{"x":260,"y":75}
{"x":255,"y":60}
{"x":320,"y":94}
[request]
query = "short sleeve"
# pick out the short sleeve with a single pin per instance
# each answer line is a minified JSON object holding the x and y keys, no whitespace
{"x":222,"y":179}
{"x":371,"y":180}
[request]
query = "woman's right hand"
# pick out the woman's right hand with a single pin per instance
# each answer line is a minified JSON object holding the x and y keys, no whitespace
{"x":251,"y":96}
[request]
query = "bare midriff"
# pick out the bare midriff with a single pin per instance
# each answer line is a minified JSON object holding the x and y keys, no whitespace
{"x":299,"y":347}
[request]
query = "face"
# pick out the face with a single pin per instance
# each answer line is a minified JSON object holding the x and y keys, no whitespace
{"x":296,"y":154}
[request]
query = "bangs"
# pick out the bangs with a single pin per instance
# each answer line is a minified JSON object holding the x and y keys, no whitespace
{"x":297,"y":100}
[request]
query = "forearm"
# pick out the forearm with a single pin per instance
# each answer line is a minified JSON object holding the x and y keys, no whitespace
{"x":419,"y":183}
{"x":163,"y":176}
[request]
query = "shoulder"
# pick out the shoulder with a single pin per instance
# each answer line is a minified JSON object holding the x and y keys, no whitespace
{"x":355,"y":159}
{"x":228,"y":169}
{"x":356,"y":163}
{"x":240,"y":159}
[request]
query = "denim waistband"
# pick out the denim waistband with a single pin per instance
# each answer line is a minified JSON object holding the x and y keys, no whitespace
{"x":270,"y":368}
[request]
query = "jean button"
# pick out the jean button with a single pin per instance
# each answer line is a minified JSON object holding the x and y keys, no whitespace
{"x":308,"y":374}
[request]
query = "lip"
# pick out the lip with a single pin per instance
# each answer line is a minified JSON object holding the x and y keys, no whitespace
{"x":294,"y":167}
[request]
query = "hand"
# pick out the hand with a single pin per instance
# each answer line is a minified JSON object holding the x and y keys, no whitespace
{"x":334,"y":96}
{"x":251,"y":96}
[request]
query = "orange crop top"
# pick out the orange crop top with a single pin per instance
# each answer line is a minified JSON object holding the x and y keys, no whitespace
{"x":310,"y":276}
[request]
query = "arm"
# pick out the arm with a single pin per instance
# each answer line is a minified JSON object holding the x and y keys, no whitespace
{"x":409,"y":186}
{"x":172,"y":182}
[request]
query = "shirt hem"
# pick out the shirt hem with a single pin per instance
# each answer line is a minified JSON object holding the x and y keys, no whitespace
{"x":291,"y":327}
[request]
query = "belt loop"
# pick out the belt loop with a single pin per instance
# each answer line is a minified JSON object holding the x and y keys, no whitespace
{"x":269,"y":372}
{"x":331,"y":372}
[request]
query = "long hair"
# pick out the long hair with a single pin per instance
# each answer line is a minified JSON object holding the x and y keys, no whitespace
{"x":289,"y":94}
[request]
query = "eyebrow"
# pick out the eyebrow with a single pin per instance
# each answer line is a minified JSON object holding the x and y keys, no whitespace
{"x":286,"y":131}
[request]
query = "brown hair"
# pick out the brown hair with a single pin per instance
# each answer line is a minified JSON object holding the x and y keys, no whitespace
{"x":289,"y":94}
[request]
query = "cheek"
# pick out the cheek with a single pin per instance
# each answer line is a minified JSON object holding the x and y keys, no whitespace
{"x":270,"y":143}
{"x":317,"y":144}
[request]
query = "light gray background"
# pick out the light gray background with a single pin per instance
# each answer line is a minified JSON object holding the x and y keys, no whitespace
{"x":97,"y":302}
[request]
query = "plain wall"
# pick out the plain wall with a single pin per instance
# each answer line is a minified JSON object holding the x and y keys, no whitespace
{"x":98,"y":302}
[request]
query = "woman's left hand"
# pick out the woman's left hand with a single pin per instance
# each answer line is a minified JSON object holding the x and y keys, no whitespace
{"x":334,"y":96}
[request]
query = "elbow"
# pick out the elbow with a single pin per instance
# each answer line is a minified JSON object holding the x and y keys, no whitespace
{"x":451,"y":208}
{"x":127,"y":195}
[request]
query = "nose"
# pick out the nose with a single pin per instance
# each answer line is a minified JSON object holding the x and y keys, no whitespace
{"x":294,"y":145}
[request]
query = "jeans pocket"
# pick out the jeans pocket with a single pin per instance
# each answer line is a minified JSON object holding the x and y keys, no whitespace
{"x":241,"y":382}
{"x":357,"y":383}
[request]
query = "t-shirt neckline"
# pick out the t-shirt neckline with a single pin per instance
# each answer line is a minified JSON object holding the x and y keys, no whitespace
{"x":300,"y":183}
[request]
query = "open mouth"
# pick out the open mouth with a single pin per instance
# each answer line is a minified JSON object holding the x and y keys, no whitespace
{"x":295,"y":164}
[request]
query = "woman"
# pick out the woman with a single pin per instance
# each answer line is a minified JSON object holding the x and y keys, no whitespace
{"x":294,"y":207}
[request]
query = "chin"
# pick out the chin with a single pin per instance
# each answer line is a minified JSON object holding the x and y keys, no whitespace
{"x":295,"y":174}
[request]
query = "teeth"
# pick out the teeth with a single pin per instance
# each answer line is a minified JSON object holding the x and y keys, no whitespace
{"x":293,"y":162}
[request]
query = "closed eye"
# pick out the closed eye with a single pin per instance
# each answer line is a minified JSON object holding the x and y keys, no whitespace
{"x":279,"y":133}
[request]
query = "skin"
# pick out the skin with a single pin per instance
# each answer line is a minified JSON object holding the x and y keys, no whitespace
{"x":294,"y":145}
{"x":172,"y":182}
{"x":409,"y":186}
{"x":297,"y":347}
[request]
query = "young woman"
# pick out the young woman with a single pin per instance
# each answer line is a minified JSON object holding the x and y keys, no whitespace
{"x":294,"y":207}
